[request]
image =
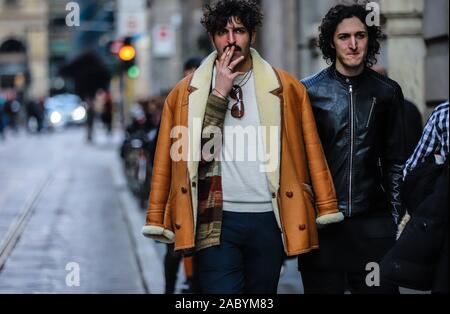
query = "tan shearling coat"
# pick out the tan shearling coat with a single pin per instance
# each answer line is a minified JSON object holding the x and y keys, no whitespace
{"x":301,"y":184}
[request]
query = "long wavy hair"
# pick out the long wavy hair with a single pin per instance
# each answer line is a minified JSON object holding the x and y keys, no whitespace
{"x":217,"y":16}
{"x":330,"y":23}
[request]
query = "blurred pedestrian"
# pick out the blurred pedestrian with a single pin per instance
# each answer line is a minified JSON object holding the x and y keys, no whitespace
{"x":359,"y":115}
{"x":191,"y":65}
{"x":11,"y":110}
{"x":413,"y":120}
{"x":152,"y":109}
{"x":107,"y":113}
{"x":2,"y":107}
{"x":419,"y":260}
{"x":239,"y":218}
{"x":90,"y":118}
{"x":434,"y":141}
{"x":422,"y":168}
{"x":413,"y":126}
{"x":35,"y":113}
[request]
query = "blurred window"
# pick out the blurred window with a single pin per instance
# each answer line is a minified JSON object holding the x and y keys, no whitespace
{"x":7,"y":81}
{"x":11,"y":3}
{"x":58,"y":21}
{"x":12,"y":45}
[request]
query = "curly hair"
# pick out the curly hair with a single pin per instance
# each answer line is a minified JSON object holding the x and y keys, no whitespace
{"x":330,"y":23}
{"x":216,"y":17}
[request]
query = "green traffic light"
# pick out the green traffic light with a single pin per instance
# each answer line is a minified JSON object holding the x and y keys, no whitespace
{"x":133,"y":72}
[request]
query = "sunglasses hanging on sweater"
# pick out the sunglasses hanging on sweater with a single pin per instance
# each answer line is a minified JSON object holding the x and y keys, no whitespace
{"x":238,"y":109}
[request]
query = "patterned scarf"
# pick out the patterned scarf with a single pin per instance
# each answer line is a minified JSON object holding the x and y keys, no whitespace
{"x":210,"y":206}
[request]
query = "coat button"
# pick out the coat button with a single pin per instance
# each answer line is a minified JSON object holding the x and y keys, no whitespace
{"x":194,"y":185}
{"x":302,"y":227}
{"x":274,"y":195}
{"x":178,"y":226}
{"x":184,"y":190}
{"x":289,"y":194}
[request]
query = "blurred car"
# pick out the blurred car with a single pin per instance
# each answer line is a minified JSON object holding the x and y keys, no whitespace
{"x":64,"y":110}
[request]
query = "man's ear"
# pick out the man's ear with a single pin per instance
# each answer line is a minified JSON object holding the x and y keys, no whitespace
{"x":253,"y":34}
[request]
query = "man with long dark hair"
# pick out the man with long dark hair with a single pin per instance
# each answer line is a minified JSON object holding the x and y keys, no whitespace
{"x":359,"y":115}
{"x":236,"y":207}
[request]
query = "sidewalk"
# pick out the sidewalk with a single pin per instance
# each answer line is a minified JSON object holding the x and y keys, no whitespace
{"x":149,"y":257}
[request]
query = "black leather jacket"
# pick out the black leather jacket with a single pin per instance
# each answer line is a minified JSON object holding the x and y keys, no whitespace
{"x":362,"y":132}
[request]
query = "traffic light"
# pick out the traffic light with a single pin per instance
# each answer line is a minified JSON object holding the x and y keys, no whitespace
{"x":126,"y":52}
{"x":133,"y":72}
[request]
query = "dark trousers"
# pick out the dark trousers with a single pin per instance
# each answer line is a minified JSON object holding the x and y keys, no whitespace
{"x":248,"y":260}
{"x":327,"y":282}
{"x":345,"y":250}
{"x":172,"y":261}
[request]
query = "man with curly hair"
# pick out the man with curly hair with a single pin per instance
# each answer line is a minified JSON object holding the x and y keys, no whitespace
{"x":359,"y":118}
{"x":250,"y":198}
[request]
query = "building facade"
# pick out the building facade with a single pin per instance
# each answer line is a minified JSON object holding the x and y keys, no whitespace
{"x":436,"y":37}
{"x":23,"y":47}
{"x":415,"y":53}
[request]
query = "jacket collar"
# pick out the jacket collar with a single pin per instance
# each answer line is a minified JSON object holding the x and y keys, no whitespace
{"x":346,"y":82}
{"x":267,"y":88}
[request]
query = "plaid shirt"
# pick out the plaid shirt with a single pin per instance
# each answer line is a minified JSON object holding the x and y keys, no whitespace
{"x":434,"y":139}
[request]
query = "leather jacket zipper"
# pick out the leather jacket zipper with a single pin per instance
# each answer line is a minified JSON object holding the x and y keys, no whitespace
{"x":374,"y":102}
{"x":352,"y":135}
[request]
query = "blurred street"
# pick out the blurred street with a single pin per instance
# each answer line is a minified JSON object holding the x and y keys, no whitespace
{"x":63,"y":201}
{"x":74,"y":216}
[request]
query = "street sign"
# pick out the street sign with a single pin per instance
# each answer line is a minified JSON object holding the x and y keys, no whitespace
{"x":131,"y":18}
{"x":163,"y":41}
{"x":131,"y":24}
